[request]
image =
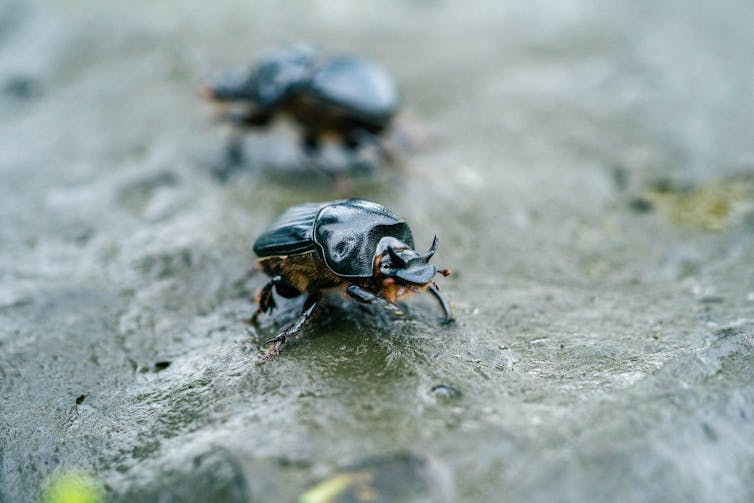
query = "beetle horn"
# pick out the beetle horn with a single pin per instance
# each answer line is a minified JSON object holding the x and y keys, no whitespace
{"x":395,"y":259}
{"x":432,"y":250}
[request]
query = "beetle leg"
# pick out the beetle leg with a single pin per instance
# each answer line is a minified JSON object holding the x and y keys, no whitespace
{"x":247,"y":119}
{"x":443,"y":302}
{"x":266,"y":301}
{"x":257,"y":118}
{"x":234,"y":155}
{"x":293,"y":329}
{"x":234,"y":148}
{"x":351,"y":142}
{"x":360,"y":137}
{"x":360,"y":295}
{"x":310,"y":144}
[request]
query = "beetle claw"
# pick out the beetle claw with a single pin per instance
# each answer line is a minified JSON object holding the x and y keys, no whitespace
{"x":276,"y":346}
{"x":394,"y":309}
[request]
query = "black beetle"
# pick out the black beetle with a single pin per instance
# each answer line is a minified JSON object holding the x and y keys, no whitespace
{"x":353,"y":244}
{"x":349,"y":98}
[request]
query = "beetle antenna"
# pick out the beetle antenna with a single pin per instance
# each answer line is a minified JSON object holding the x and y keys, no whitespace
{"x":444,"y":272}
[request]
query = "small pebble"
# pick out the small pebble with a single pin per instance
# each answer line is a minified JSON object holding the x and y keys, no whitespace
{"x":445,"y":392}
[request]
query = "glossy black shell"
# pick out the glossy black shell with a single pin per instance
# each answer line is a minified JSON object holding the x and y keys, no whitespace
{"x":344,"y":233}
{"x":360,"y":88}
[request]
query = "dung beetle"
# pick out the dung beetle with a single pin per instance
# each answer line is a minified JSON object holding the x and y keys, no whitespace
{"x":351,"y":99}
{"x":354,"y":245}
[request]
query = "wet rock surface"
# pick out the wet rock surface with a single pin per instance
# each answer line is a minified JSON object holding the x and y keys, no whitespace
{"x":604,"y":338}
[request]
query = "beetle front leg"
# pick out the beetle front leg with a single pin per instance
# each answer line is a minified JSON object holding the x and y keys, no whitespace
{"x":442,"y":301}
{"x":292,"y":330}
{"x":360,"y":295}
{"x":238,"y":122}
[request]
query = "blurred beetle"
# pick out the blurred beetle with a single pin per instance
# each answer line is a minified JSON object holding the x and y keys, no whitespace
{"x":348,"y":98}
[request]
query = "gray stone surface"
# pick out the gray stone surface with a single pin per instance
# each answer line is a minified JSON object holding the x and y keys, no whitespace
{"x":587,"y":167}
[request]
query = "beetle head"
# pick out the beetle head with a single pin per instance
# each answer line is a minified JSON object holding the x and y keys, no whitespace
{"x":268,"y":82}
{"x":400,"y":262}
{"x":230,"y":86}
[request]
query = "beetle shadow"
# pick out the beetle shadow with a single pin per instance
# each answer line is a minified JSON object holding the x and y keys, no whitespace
{"x":348,"y":330}
{"x":276,"y":157}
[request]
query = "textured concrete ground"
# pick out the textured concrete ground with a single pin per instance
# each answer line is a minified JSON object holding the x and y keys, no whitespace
{"x":587,"y":167}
